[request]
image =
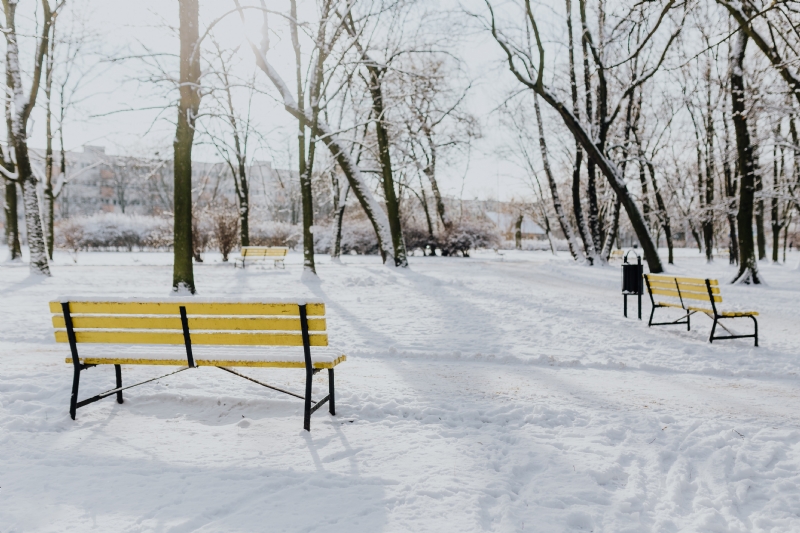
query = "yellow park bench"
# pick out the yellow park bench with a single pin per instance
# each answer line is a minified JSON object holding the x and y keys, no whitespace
{"x":616,"y":254}
{"x":222,"y":334}
{"x":262,"y":253}
{"x":681,"y":292}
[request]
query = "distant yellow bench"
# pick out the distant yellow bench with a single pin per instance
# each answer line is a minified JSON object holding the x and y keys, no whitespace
{"x":274,"y":334}
{"x":616,"y":254}
{"x":262,"y":253}
{"x":677,"y":290}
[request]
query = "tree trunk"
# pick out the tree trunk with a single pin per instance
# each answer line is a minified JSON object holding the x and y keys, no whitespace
{"x":518,"y":232}
{"x":384,"y":157}
{"x":761,"y":237}
{"x":566,"y":228}
{"x":19,"y":134}
{"x":748,"y":266}
{"x":188,"y":106}
{"x":49,"y":198}
{"x":663,"y":214}
{"x":577,"y":208}
{"x":708,"y":218}
{"x":730,"y":190}
{"x":12,"y":225}
{"x":305,"y":166}
{"x":340,"y":203}
{"x":430,"y":172}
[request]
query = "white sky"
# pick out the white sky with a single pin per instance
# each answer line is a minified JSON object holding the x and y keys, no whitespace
{"x":124,"y":26}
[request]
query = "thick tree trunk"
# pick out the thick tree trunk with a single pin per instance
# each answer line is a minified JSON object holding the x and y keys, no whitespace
{"x":566,"y":228}
{"x":748,"y":266}
{"x":188,"y":106}
{"x":18,"y":130}
{"x":518,"y":232}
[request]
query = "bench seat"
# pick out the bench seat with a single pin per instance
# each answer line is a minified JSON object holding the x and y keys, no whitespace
{"x":731,"y":314}
{"x":244,"y":357}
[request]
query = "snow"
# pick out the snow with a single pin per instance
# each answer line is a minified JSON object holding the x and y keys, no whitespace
{"x":497,"y":393}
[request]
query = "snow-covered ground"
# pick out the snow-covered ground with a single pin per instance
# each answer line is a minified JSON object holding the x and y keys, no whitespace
{"x":496,"y":393}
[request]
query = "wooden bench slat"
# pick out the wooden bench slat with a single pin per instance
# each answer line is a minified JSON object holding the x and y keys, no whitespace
{"x":663,"y":277}
{"x":683,"y":286}
{"x":199,"y":338}
{"x":192,"y":308}
{"x":205,"y":362}
{"x":195,"y":323}
{"x":686,"y":295}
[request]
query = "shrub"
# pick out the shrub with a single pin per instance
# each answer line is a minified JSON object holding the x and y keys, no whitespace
{"x":113,"y":231}
{"x":469,"y":235}
{"x":269,"y":233}
{"x":225,"y":225}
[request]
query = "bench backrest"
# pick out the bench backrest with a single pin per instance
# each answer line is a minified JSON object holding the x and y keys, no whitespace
{"x":210,"y":323}
{"x":705,"y":290}
{"x":263,"y":251}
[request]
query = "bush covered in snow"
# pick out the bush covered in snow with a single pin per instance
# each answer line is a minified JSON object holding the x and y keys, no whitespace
{"x":469,"y":235}
{"x":114,"y":231}
{"x":536,"y":245}
{"x":271,"y":233}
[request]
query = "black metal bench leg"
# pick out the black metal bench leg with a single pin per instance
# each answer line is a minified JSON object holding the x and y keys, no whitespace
{"x":118,"y":372}
{"x":652,"y":312}
{"x":307,"y":413}
{"x":755,"y":323}
{"x":688,"y":322}
{"x":331,"y":402}
{"x":713,"y":329}
{"x":73,"y":401}
{"x":307,"y":401}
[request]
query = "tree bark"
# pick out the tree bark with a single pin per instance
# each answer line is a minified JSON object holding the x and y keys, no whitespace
{"x":12,"y":225}
{"x":761,"y":237}
{"x":19,"y":135}
{"x":385,"y":160}
{"x":188,"y":106}
{"x":430,"y":172}
{"x":566,"y":228}
{"x":730,"y":190}
{"x":708,"y":218}
{"x":577,"y":207}
{"x":49,"y":196}
{"x":748,"y":266}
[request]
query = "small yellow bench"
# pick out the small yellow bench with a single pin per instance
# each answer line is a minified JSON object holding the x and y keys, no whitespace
{"x":616,"y":254}
{"x":678,"y":290}
{"x":262,"y":253}
{"x":222,"y":334}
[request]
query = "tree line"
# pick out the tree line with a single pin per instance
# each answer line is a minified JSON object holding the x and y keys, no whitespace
{"x":669,"y":118}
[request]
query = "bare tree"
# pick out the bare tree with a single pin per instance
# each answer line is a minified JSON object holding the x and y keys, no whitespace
{"x":323,"y":132}
{"x":21,"y":106}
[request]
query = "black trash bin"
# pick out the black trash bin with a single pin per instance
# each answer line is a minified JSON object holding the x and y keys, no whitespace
{"x":632,"y":283}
